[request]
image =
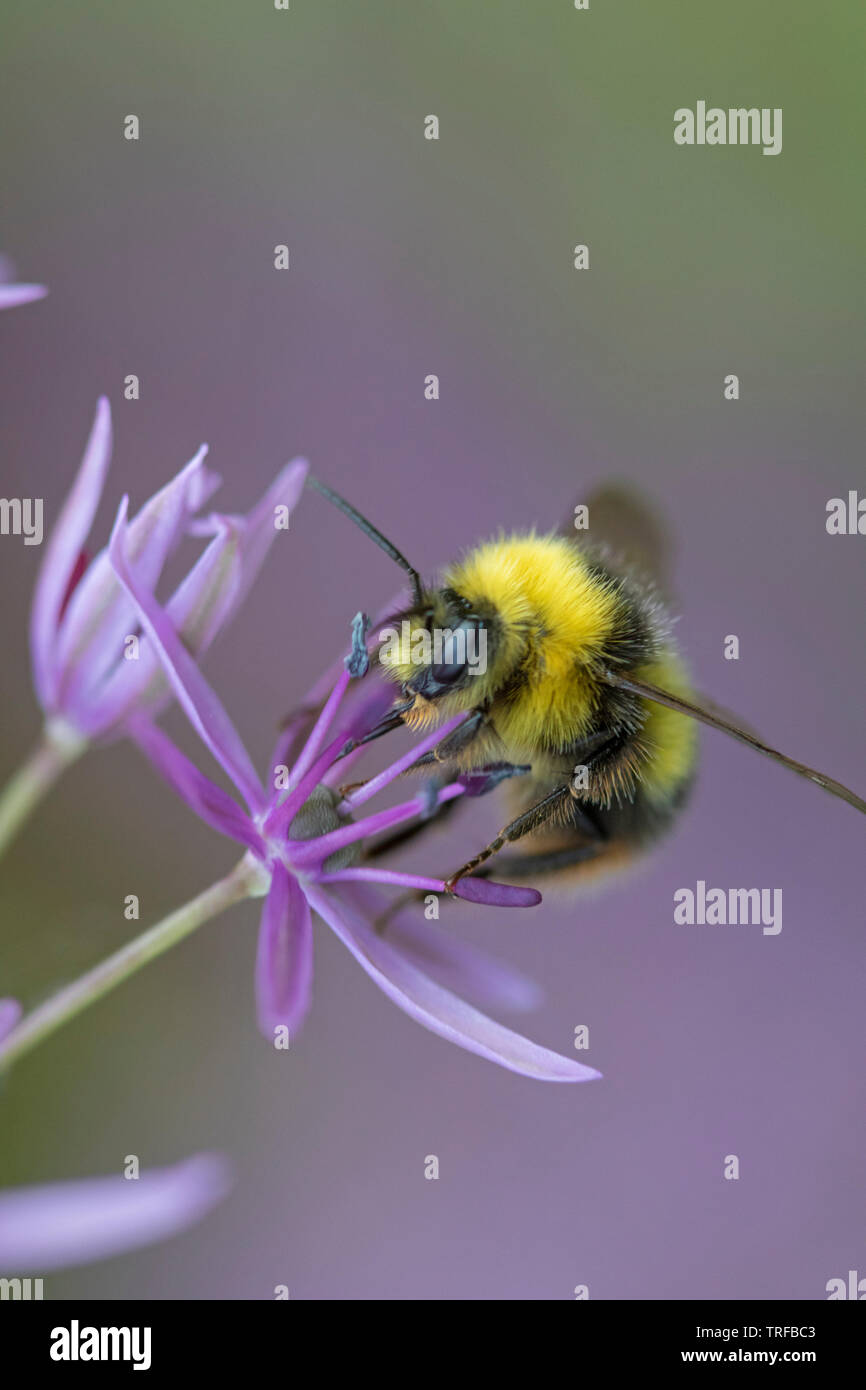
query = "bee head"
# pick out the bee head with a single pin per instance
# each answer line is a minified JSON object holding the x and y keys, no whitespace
{"x":438,"y":651}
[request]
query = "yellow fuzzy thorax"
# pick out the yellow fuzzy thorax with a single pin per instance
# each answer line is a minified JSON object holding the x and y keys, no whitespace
{"x":547,"y":602}
{"x":540,"y":584}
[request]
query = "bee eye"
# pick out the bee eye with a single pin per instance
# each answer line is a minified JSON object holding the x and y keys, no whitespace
{"x":447,"y":673}
{"x":458,"y":649}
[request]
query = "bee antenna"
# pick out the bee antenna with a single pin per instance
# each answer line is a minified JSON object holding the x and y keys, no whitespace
{"x":716,"y":719}
{"x":370,"y":530}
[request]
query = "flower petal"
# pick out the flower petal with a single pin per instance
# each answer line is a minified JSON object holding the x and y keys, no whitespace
{"x":309,"y":853}
{"x":196,"y":610}
{"x":10,"y":1012}
{"x":11,"y":295}
{"x":455,"y":963}
{"x":70,"y":1223}
{"x":482,"y":890}
{"x":396,"y":769}
{"x":358,"y":716}
{"x":437,"y":1008}
{"x":99,"y":615}
{"x":320,"y":730}
{"x":205,"y":597}
{"x":258,"y":528}
{"x":210,"y":803}
{"x":367,"y":711}
{"x":200,"y":704}
{"x":284,"y":962}
{"x":393,"y":878}
{"x":282,"y":813}
{"x":61,"y":555}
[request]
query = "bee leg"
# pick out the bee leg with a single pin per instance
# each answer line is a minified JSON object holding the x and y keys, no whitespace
{"x":390,"y":721}
{"x":415,"y":895}
{"x":398,"y":838}
{"x":537,"y":816}
{"x":478,"y":782}
{"x":543,"y":862}
{"x":482,"y":780}
{"x":408,"y":832}
{"x":487,"y":777}
{"x":456,"y":742}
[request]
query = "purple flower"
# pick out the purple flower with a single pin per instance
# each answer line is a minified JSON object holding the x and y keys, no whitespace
{"x":304,"y":840}
{"x":10,"y":295}
{"x":10,"y":1013}
{"x":92,"y":669}
{"x":71,"y":1223}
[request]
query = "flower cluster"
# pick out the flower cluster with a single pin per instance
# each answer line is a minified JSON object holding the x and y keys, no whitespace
{"x":107,"y":657}
{"x":92,"y":675}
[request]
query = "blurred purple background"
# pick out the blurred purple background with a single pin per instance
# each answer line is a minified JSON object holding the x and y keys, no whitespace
{"x":410,"y":257}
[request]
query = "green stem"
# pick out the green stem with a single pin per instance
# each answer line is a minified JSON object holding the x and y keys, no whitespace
{"x":26,"y":788}
{"x":244,"y":881}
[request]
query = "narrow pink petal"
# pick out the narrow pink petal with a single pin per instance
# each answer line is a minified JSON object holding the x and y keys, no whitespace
{"x":210,"y":803}
{"x":320,"y":730}
{"x":199,"y":702}
{"x":196,"y":610}
{"x":61,"y":554}
{"x":100,"y":616}
{"x":369,"y":709}
{"x":258,"y":529}
{"x":396,"y":769}
{"x":288,"y":736}
{"x":12,"y":295}
{"x":453,"y":962}
{"x":357,"y":716}
{"x":306,"y":853}
{"x":284,"y":961}
{"x":483,"y":891}
{"x":72,"y":1223}
{"x":380,"y":875}
{"x":203,"y":601}
{"x":437,"y":1008}
{"x":282,"y":814}
{"x":10,"y":1012}
{"x":390,"y":878}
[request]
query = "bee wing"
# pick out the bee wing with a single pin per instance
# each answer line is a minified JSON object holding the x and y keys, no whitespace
{"x":627,"y":528}
{"x":718,"y":719}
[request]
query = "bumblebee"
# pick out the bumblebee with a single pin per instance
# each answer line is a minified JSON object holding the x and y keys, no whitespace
{"x":582,"y":705}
